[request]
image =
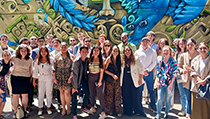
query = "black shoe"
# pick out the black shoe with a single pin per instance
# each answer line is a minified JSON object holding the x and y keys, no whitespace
{"x":153,"y":108}
{"x":52,"y":107}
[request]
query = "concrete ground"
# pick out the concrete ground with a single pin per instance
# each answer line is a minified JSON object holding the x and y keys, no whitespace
{"x":173,"y":114}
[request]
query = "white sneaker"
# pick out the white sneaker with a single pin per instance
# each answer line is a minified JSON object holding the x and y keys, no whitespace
{"x":91,"y":111}
{"x":80,"y":101}
{"x":49,"y":112}
{"x":102,"y":116}
{"x":39,"y":113}
{"x":182,"y":113}
{"x":157,"y":116}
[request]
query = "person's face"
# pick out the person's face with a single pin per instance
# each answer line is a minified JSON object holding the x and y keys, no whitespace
{"x":49,"y":40}
{"x":72,"y":41}
{"x":145,"y":43}
{"x":80,"y":37}
{"x":127,"y":52}
{"x":175,"y":42}
{"x":64,"y":48}
{"x":33,"y":41}
{"x":6,"y":56}
{"x":162,"y":43}
{"x":96,"y":52}
{"x":115,"y":51}
{"x":151,"y":37}
{"x":23,"y":52}
{"x":181,"y":44}
{"x":191,"y":46}
{"x":124,"y":38}
{"x":87,"y":42}
{"x":101,"y":40}
{"x":41,"y":42}
{"x":203,"y":50}
{"x":4,"y":40}
{"x":107,"y":47}
{"x":166,"y":51}
{"x":56,"y":44}
{"x":44,"y":52}
{"x":84,"y":53}
{"x":26,"y":43}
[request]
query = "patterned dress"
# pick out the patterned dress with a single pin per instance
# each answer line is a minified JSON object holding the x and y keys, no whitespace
{"x":62,"y":69}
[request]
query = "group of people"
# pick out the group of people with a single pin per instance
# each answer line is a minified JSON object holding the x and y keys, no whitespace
{"x":117,"y":75}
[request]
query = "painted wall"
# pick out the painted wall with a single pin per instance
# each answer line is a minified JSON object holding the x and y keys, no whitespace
{"x":65,"y":18}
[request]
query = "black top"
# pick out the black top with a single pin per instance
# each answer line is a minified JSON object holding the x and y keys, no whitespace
{"x":111,"y":68}
{"x":84,"y":73}
{"x":4,"y":68}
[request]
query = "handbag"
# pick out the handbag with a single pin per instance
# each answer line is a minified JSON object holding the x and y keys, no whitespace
{"x":204,"y":92}
{"x":20,"y":112}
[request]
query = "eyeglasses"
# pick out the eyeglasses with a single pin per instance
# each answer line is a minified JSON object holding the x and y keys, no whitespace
{"x":88,"y":41}
{"x":41,"y":41}
{"x":33,"y":39}
{"x":72,"y":40}
{"x":191,"y":44}
{"x":96,"y":46}
{"x":115,"y":51}
{"x":106,"y":45}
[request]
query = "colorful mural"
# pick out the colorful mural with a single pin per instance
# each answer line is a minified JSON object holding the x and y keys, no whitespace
{"x":65,"y":18}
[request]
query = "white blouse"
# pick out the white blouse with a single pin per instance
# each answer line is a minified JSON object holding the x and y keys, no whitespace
{"x":43,"y":69}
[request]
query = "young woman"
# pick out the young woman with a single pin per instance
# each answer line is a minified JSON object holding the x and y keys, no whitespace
{"x":166,"y":69}
{"x":106,"y":50}
{"x":200,"y":73}
{"x":161,"y":43}
{"x":62,"y":77}
{"x":101,"y":40}
{"x":131,"y":80}
{"x":95,"y":81}
{"x":4,"y":70}
{"x":112,"y":83}
{"x":43,"y":67}
{"x":181,"y":48}
{"x":21,"y":76}
{"x":184,"y":67}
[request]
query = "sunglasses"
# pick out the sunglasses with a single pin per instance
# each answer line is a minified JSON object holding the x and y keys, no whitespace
{"x":88,"y":41}
{"x":33,"y":39}
{"x":127,"y":50}
{"x":72,"y":40}
{"x":106,"y":45}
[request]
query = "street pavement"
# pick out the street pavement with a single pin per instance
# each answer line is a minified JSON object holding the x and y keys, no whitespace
{"x":173,"y":114}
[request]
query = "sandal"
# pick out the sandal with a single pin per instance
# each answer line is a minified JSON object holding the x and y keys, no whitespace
{"x":2,"y":117}
{"x":25,"y":114}
{"x":14,"y":116}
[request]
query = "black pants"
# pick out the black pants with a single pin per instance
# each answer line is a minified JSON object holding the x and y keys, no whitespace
{"x":30,"y":93}
{"x":85,"y":100}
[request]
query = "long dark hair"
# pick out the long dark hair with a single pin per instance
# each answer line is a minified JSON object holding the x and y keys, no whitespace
{"x":99,"y":56}
{"x":118,"y":60}
{"x":129,"y":61}
{"x":17,"y":52}
{"x":39,"y":56}
{"x":185,"y":42}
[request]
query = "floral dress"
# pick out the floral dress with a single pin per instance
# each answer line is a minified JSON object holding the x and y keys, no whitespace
{"x":62,"y":69}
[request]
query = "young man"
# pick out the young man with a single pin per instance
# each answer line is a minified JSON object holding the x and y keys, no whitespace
{"x":151,"y":36}
{"x":33,"y":42}
{"x":148,"y":57}
{"x":124,"y":38}
{"x":76,"y":48}
{"x":79,"y":69}
{"x":87,"y":42}
{"x":72,"y":42}
{"x":49,"y":43}
{"x":40,"y":42}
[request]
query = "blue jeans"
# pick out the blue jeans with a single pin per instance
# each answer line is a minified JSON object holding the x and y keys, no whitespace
{"x":163,"y":90}
{"x":187,"y":94}
{"x":183,"y":99}
{"x":150,"y":87}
